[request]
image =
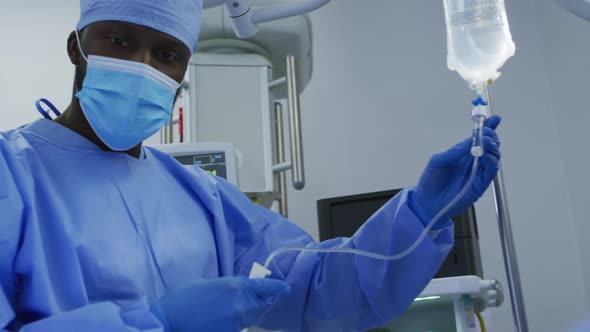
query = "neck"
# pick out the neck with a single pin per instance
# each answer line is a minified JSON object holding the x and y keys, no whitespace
{"x":73,"y":118}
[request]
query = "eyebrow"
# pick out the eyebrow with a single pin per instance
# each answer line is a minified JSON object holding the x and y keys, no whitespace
{"x":171,"y":44}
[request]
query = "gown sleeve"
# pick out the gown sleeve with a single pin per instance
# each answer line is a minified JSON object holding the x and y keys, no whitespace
{"x":338,"y":292}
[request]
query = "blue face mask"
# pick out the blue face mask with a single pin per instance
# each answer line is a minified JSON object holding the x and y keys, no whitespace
{"x":125,"y":102}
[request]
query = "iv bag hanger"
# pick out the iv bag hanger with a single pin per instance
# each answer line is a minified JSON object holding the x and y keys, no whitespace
{"x":245,"y":16}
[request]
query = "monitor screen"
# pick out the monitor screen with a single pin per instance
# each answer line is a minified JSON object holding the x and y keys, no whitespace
{"x":213,"y":163}
{"x":217,"y":158}
{"x":347,"y":217}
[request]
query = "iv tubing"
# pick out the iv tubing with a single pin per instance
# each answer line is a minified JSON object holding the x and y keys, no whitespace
{"x":413,"y":247}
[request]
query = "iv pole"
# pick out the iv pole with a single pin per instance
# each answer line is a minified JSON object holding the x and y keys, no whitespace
{"x":508,"y":249}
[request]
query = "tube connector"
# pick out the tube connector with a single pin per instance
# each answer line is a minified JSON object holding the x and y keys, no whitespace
{"x":259,"y":272}
{"x":480,"y":111}
{"x":479,"y":101}
{"x":479,"y":114}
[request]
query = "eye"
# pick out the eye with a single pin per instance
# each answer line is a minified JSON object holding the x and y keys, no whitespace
{"x":167,"y":56}
{"x":119,"y":42}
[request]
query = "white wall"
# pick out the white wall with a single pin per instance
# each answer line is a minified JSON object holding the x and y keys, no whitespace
{"x":567,"y":45}
{"x":381,"y":102}
{"x":33,"y":57}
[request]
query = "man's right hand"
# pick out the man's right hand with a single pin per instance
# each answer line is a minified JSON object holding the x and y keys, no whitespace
{"x":221,"y":305}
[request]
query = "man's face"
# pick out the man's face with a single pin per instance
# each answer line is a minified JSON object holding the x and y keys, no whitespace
{"x":131,"y":42}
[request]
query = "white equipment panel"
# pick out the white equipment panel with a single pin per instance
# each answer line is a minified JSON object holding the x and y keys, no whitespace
{"x":231,"y":102}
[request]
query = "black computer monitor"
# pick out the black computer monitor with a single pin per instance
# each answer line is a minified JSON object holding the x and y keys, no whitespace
{"x":343,"y":216}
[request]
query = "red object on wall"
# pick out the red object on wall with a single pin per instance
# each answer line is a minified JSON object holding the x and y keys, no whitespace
{"x":181,"y":124}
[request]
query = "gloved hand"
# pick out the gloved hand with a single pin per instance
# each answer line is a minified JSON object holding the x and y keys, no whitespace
{"x":447,"y":172}
{"x":220,"y":305}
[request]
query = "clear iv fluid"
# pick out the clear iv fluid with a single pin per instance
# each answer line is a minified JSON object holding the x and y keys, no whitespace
{"x":478,"y":38}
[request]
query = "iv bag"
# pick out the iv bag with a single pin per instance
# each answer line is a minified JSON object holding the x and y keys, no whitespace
{"x":478,"y":39}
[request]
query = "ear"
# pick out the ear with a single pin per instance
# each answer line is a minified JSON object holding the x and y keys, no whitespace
{"x":73,"y":50}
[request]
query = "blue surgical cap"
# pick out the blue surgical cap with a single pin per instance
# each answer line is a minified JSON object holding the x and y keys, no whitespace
{"x":179,"y":18}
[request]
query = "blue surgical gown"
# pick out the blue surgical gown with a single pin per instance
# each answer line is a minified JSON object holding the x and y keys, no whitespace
{"x":89,"y":238}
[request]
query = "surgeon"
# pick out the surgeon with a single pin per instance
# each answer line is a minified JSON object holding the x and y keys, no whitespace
{"x":101,"y":233}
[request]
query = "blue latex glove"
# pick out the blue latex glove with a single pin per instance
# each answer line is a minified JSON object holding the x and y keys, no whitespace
{"x":220,"y":305}
{"x":447,"y":172}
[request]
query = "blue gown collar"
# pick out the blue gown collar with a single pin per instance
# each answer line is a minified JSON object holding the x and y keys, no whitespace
{"x":59,"y":135}
{"x":63,"y":137}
